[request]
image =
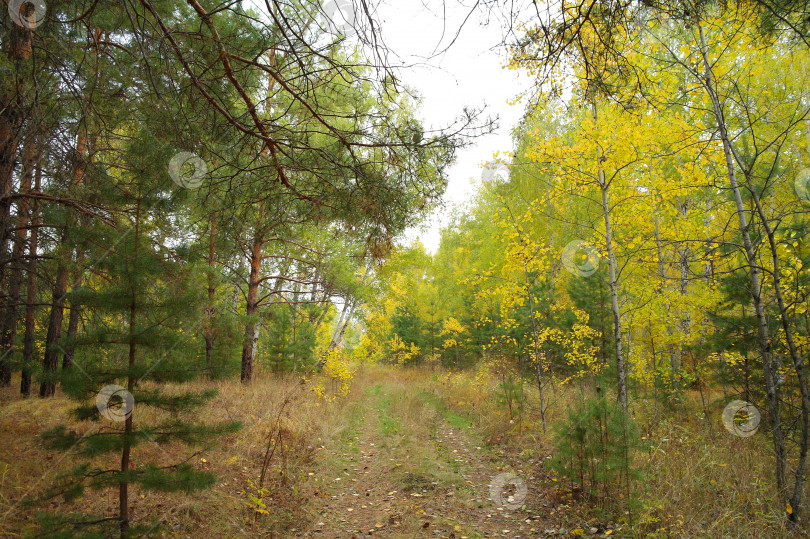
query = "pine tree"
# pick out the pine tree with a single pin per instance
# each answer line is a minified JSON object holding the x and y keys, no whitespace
{"x":594,"y":448}
{"x":144,"y":308}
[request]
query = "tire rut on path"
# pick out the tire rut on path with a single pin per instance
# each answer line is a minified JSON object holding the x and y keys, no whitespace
{"x":359,"y":502}
{"x":408,"y":473}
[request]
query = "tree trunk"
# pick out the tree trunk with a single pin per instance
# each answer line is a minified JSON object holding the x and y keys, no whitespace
{"x":73,"y":329}
{"x":123,"y":489}
{"x":51,"y":360}
{"x":31,"y":293}
{"x":674,"y":355}
{"x":537,"y":356}
{"x":210,"y":310}
{"x":796,"y":358}
{"x":235,"y":297}
{"x":763,"y":337}
{"x":621,"y":375}
{"x":10,"y":310}
{"x":18,"y":47}
{"x":346,"y":314}
{"x":8,"y":152}
{"x":249,"y":347}
{"x":686,"y":322}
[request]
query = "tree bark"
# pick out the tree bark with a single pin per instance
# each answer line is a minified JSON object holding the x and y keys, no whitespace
{"x":674,"y":356}
{"x":73,"y":329}
{"x":686,"y":322}
{"x":796,"y":358}
{"x":31,"y":293}
{"x":11,"y":122}
{"x":10,"y":309}
{"x":56,"y":317}
{"x":621,"y":374}
{"x":763,"y":337}
{"x":249,"y":347}
{"x":123,"y":489}
{"x":51,"y":360}
{"x":210,"y":310}
{"x":346,"y":314}
{"x":537,"y":356}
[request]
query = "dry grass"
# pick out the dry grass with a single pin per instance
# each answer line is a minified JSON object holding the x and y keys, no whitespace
{"x":280,"y":411}
{"x":699,"y":481}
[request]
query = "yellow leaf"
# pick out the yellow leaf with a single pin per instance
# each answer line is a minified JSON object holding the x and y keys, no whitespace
{"x":789,"y":509}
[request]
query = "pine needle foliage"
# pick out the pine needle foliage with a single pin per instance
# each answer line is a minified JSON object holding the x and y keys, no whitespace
{"x":594,"y":450}
{"x":144,"y":314}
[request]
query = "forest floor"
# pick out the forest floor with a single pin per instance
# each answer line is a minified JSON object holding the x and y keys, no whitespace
{"x":388,"y":460}
{"x":407,"y":468}
{"x":406,"y":453}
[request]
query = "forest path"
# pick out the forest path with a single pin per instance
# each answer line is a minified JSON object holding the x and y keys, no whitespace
{"x":405,"y":468}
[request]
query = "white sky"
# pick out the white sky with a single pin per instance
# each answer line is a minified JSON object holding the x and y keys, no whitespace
{"x":468,"y":74}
